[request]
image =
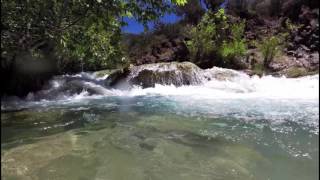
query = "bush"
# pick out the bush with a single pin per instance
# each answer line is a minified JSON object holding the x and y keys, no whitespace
{"x":270,"y":47}
{"x":201,"y":43}
{"x":214,"y":37}
{"x":236,"y":46}
{"x":233,"y":49}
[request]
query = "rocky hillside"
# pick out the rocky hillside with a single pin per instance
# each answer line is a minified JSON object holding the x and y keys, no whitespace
{"x":299,"y":56}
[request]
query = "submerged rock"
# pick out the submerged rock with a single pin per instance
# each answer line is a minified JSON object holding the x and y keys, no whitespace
{"x":148,"y":75}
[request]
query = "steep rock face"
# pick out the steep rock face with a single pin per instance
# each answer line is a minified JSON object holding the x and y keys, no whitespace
{"x":167,"y":50}
{"x":148,"y":75}
{"x":306,"y":37}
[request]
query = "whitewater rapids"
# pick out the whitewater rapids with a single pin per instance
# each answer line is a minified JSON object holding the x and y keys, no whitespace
{"x":239,"y":86}
{"x":227,"y":92}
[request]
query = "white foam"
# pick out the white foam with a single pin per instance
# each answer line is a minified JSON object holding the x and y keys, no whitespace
{"x":244,"y":87}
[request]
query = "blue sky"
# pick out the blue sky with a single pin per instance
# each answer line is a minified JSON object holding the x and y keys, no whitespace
{"x":136,"y":28}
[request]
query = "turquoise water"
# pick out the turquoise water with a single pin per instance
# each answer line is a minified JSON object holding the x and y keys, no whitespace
{"x":155,"y":137}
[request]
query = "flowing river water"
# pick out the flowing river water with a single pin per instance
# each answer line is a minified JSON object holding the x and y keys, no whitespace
{"x":240,"y":128}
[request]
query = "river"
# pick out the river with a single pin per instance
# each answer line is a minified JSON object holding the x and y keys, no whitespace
{"x":239,"y":128}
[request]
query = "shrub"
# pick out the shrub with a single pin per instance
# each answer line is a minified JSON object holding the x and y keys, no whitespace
{"x":270,"y":47}
{"x":201,"y":43}
{"x":213,"y":36}
{"x":236,"y":46}
{"x":233,"y":49}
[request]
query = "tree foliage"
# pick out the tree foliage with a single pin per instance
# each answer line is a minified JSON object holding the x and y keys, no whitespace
{"x":88,"y":31}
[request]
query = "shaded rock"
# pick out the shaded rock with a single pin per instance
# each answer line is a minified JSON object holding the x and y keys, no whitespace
{"x":239,"y":63}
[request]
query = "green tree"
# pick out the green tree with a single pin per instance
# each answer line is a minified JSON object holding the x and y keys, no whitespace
{"x":88,"y":31}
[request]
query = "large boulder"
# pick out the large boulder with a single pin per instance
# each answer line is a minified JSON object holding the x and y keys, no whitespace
{"x":174,"y":73}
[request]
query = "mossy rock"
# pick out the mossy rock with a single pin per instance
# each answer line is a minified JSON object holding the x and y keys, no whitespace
{"x":294,"y":72}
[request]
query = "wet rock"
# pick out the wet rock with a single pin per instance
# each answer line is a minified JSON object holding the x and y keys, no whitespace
{"x":117,"y":76}
{"x":148,"y":75}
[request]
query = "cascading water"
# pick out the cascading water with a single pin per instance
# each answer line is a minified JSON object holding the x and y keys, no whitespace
{"x":224,"y":125}
{"x":215,"y":83}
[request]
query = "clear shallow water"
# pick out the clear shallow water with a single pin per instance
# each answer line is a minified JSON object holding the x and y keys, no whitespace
{"x":224,"y":130}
